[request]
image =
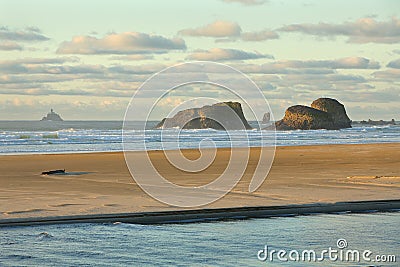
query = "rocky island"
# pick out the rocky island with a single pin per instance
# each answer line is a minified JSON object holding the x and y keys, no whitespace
{"x":220,"y":116}
{"x":324,"y":113}
{"x":52,"y":116}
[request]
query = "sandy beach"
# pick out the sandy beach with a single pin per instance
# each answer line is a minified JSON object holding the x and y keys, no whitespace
{"x":102,"y":183}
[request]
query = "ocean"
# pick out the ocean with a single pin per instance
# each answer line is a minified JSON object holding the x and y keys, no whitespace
{"x":38,"y":137}
{"x":223,"y":243}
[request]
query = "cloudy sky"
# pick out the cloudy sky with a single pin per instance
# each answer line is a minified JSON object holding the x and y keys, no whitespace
{"x":86,"y":59}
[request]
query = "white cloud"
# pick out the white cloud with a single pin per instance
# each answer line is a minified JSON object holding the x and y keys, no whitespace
{"x":218,"y":29}
{"x":363,"y":30}
{"x":220,"y":54}
{"x":121,"y":43}
{"x":226,"y":31}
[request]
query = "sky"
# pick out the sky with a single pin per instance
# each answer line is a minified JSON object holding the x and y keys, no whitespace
{"x":86,"y":59}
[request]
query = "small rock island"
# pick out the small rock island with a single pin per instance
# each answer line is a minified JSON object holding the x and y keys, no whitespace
{"x":220,"y":116}
{"x":52,"y":116}
{"x":324,"y":113}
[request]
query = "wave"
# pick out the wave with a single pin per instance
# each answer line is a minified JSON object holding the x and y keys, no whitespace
{"x":76,"y":139}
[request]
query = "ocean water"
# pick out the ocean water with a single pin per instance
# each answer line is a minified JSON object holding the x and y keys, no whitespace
{"x":18,"y":137}
{"x":226,"y":243}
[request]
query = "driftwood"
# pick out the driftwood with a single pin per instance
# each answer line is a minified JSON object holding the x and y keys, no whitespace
{"x":53,"y":172}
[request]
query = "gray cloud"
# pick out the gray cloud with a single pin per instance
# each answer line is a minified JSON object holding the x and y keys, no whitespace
{"x":270,"y":69}
{"x":220,"y":54}
{"x":135,"y":57}
{"x":395,"y":64}
{"x":389,"y":75}
{"x":342,"y":63}
{"x":364,"y":30}
{"x":28,"y":34}
{"x":121,"y":43}
{"x":246,"y":2}
{"x":10,"y":45}
{"x":34,"y":65}
{"x":259,"y":35}
{"x":309,"y":66}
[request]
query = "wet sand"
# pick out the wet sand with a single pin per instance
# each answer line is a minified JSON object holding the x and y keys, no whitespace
{"x":101,"y":183}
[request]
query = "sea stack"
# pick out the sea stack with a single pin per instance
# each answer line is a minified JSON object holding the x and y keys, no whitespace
{"x":266,"y":118}
{"x":220,"y":116}
{"x":52,"y":116}
{"x":324,"y":113}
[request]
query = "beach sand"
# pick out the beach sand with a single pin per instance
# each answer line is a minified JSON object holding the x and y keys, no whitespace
{"x":301,"y":174}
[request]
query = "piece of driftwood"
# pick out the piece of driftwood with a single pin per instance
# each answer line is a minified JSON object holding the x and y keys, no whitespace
{"x":53,"y":172}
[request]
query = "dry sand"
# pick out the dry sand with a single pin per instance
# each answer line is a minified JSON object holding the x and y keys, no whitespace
{"x":302,"y":174}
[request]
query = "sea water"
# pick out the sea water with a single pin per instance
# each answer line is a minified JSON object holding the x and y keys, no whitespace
{"x":224,"y":243}
{"x":19,"y":137}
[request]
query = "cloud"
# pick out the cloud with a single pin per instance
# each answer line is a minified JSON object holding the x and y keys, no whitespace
{"x":246,"y":2}
{"x":29,"y":34}
{"x":389,"y":75}
{"x":135,"y":57}
{"x":309,"y":66}
{"x":217,"y":29}
{"x":139,"y":69}
{"x":121,"y":43}
{"x":342,"y":63}
{"x":259,"y":35}
{"x":227,"y":31}
{"x":10,"y":45}
{"x":363,"y":30}
{"x":33,"y":65}
{"x":30,"y":61}
{"x":395,"y":64}
{"x":220,"y":54}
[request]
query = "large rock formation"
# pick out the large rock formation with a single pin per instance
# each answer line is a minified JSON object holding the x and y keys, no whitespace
{"x":324,"y":113}
{"x":220,"y":116}
{"x":335,"y":109}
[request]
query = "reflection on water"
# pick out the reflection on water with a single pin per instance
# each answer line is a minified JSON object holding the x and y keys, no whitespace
{"x":229,"y":243}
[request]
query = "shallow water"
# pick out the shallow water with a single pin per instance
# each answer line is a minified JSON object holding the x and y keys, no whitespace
{"x":95,"y":136}
{"x":227,"y":243}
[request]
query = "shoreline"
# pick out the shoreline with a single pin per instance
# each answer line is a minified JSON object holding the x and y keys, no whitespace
{"x":152,"y":150}
{"x":217,"y":214}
